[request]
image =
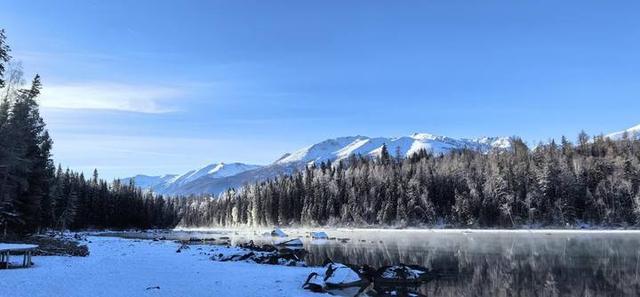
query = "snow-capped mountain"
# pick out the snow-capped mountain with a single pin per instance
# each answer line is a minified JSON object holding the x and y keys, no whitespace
{"x":631,"y":132}
{"x":216,"y":178}
{"x":153,"y":183}
{"x":173,"y":183}
{"x":219,"y":170}
{"x":341,"y":148}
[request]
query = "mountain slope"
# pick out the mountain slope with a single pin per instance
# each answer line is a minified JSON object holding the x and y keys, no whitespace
{"x":216,"y":178}
{"x":343,"y":147}
{"x":173,"y":184}
{"x":219,"y":170}
{"x":631,"y":132}
{"x":153,"y":183}
{"x":210,"y":185}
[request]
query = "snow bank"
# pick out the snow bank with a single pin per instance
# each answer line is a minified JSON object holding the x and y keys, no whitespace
{"x":123,"y":267}
{"x":336,"y":276}
{"x":341,"y":276}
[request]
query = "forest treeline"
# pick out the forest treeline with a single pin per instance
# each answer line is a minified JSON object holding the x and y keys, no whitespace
{"x":593,"y":182}
{"x":34,"y":195}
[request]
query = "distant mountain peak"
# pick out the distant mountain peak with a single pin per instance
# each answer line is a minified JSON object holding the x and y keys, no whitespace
{"x":423,"y":136}
{"x":215,"y":170}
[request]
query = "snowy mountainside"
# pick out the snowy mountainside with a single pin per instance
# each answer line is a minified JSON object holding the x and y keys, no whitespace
{"x":173,"y":183}
{"x":631,"y":132}
{"x":211,"y":185}
{"x":341,"y":148}
{"x":216,"y":178}
{"x":219,"y":170}
{"x":153,"y":183}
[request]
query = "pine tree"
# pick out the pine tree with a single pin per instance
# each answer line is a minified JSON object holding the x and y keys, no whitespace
{"x":583,"y":142}
{"x":4,"y":56}
{"x":398,"y":156}
{"x":8,"y":213}
{"x":7,"y":208}
{"x":385,"y":158}
{"x":29,"y":156}
{"x":462,"y":209}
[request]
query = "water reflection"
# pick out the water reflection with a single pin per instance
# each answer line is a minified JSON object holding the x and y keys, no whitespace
{"x":502,"y":264}
{"x":487,"y":264}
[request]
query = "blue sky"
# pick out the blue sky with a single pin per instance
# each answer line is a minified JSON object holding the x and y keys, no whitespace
{"x":165,"y":86}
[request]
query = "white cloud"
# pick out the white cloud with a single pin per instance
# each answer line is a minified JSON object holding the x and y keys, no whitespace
{"x":110,"y":96}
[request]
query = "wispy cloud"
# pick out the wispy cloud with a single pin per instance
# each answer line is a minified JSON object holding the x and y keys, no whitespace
{"x":38,"y":57}
{"x":111,"y":96}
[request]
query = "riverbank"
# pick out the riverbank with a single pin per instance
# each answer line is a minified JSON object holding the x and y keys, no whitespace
{"x":125,"y":267}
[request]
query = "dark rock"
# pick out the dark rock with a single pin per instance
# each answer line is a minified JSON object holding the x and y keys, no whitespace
{"x":367,"y":272}
{"x":397,"y":280}
{"x":264,"y":248}
{"x":263,"y":255}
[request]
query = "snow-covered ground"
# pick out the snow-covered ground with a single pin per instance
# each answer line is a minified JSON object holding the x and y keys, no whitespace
{"x":125,"y":267}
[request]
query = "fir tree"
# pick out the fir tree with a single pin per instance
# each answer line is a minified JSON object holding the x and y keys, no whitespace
{"x":384,"y":154}
{"x":4,"y":55}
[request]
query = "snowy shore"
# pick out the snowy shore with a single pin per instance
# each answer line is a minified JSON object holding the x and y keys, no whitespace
{"x":125,"y":267}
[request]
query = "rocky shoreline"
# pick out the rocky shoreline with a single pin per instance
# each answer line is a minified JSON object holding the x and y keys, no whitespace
{"x":394,"y":280}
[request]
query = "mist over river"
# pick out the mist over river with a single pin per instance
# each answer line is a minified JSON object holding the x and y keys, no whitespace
{"x":473,"y":262}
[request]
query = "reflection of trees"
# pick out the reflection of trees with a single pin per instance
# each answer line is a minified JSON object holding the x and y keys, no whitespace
{"x":522,"y":265}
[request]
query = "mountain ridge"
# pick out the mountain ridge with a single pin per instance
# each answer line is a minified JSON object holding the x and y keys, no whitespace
{"x":218,"y":177}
